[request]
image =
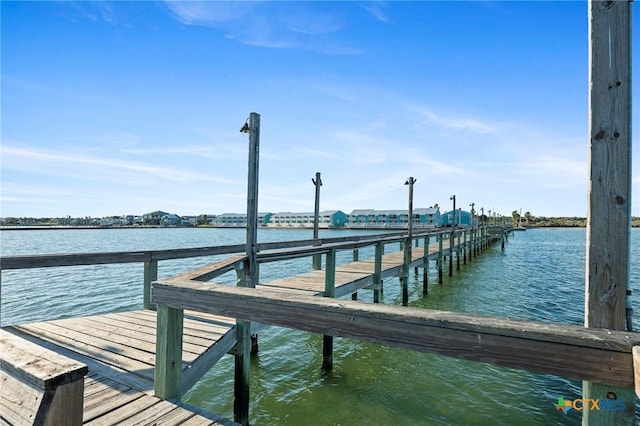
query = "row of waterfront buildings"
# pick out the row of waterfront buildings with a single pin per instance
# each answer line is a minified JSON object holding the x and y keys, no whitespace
{"x":360,"y":218}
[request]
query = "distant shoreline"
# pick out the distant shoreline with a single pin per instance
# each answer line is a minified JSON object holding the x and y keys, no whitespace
{"x":559,"y":222}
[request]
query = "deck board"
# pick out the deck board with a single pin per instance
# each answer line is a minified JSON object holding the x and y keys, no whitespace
{"x":108,"y":402}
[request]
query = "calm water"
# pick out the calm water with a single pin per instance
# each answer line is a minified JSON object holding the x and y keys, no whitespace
{"x":539,"y":276}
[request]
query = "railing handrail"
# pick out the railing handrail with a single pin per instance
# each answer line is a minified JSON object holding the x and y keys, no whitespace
{"x":315,"y":247}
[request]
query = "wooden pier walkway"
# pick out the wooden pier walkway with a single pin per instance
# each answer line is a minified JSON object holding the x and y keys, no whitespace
{"x":120,"y":348}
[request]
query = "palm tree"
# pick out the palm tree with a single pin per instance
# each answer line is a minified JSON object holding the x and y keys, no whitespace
{"x":528,"y":217}
{"x":515,"y":217}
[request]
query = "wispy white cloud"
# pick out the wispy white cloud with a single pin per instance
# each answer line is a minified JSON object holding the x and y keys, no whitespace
{"x":267,"y":24}
{"x":208,"y":13}
{"x":375,"y":9}
{"x":53,"y":163}
{"x":97,"y":11}
{"x":204,"y":151}
{"x":454,"y":123}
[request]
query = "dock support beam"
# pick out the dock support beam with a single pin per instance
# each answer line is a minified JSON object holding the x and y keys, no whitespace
{"x":609,"y":187}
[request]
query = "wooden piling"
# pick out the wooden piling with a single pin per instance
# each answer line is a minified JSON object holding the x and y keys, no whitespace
{"x":609,"y":186}
{"x":404,"y":277}
{"x":329,"y":291}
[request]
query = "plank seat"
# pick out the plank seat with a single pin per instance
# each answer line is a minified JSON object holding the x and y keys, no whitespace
{"x":37,"y":385}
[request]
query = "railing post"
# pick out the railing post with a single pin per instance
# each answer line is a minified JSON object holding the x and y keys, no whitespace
{"x":474,"y":245}
{"x":417,"y":244}
{"x":150,"y":275}
{"x":354,"y":295}
{"x":440,"y":236}
{"x":377,"y":272}
{"x":425,"y":266}
{"x":458,"y":252}
{"x":168,"y":371}
{"x":476,"y":232}
{"x":464,"y":246}
{"x":329,"y":291}
{"x":452,"y":243}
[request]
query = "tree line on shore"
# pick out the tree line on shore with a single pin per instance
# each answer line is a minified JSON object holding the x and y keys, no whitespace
{"x":559,"y":222}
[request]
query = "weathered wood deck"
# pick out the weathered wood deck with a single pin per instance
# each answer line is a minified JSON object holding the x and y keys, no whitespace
{"x":109,"y":402}
{"x":120,"y":348}
{"x":123,"y":344}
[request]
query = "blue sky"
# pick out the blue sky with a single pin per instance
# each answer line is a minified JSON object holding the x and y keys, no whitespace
{"x":112,"y":108}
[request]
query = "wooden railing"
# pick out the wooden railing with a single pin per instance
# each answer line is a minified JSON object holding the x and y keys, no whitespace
{"x":267,"y":252}
{"x":601,"y":356}
{"x":169,"y":382}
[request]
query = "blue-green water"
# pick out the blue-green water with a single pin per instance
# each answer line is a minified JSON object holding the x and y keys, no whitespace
{"x":539,"y":276}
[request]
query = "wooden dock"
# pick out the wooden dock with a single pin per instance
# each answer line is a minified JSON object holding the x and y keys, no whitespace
{"x":120,"y":348}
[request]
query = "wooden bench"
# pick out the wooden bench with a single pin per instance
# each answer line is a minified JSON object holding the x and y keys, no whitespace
{"x":37,"y":385}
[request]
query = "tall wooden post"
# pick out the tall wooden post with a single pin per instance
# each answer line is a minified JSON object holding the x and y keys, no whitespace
{"x":407,"y":246}
{"x":609,"y":186}
{"x":317,"y":258}
{"x":452,"y":239}
{"x":243,"y":330}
